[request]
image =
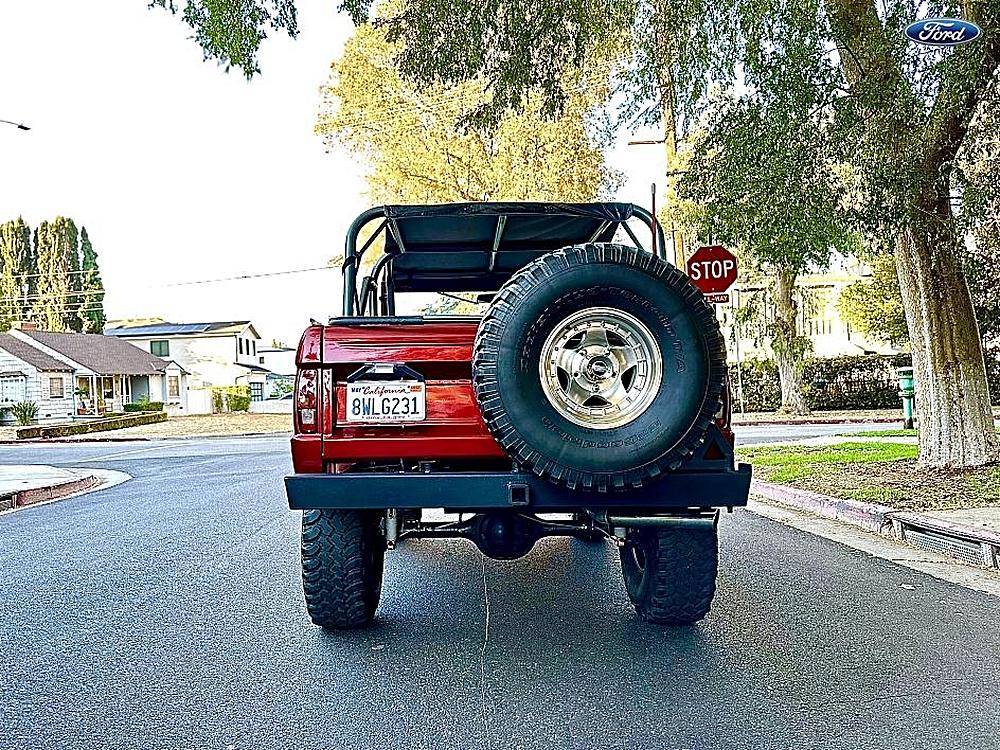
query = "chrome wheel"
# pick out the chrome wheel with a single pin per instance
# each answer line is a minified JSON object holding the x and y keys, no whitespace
{"x":600,"y":368}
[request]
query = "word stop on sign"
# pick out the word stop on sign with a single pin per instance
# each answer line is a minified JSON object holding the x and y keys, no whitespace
{"x":712,"y":269}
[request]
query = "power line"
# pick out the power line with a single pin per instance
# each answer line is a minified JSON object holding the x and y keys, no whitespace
{"x":195,"y":281}
{"x":52,"y":296}
{"x":245,"y":276}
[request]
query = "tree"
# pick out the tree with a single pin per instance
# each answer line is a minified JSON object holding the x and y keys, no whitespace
{"x":91,"y":298}
{"x":903,"y":115}
{"x":875,"y":306}
{"x":760,"y":180}
{"x":231,"y":31}
{"x":421,"y":144}
{"x":55,"y":306}
{"x":16,"y":265}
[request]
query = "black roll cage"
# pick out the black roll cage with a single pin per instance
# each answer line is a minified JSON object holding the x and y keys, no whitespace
{"x":376,"y":295}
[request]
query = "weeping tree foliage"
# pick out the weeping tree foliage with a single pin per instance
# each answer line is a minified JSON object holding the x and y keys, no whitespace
{"x":429,"y":144}
{"x":761,"y":177}
{"x":232,"y":31}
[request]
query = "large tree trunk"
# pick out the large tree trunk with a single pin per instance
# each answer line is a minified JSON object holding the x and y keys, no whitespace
{"x":953,"y":400}
{"x":787,"y":344}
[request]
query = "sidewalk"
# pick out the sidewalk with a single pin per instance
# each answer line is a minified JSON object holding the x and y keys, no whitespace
{"x":22,"y":485}
{"x":970,"y":535}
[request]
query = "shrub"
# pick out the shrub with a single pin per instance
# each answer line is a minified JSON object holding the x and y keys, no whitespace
{"x":239,"y":399}
{"x":230,"y":398}
{"x":831,"y":383}
{"x":25,"y":412}
{"x":143,"y":406}
{"x":761,"y":389}
{"x":96,"y":425}
{"x":853,"y":382}
{"x":992,"y":354}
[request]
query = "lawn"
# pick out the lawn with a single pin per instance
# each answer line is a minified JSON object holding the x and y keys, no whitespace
{"x":885,"y":473}
{"x":887,"y":433}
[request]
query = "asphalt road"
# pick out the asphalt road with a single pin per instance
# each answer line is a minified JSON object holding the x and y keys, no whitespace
{"x":166,"y":613}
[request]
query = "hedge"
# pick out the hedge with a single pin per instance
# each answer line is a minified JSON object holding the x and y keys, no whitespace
{"x":230,"y":398}
{"x":144,"y":406}
{"x":82,"y":428}
{"x":831,"y":383}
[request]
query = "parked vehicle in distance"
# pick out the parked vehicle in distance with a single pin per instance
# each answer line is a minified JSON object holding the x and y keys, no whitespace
{"x":593,"y":386}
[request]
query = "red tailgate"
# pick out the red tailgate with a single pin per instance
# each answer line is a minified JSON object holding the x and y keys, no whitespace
{"x":439,"y":351}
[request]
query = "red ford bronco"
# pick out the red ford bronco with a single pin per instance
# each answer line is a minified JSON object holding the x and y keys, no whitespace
{"x":589,"y":399}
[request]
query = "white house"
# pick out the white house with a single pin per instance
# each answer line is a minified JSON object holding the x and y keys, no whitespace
{"x":280,"y":363}
{"x":29,"y":374}
{"x":219,"y":353}
{"x":72,"y":375}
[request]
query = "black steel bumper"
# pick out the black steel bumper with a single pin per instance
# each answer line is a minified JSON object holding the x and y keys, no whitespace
{"x":493,"y":490}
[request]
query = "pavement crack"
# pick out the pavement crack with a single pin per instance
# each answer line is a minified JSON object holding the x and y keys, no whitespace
{"x":482,"y":658}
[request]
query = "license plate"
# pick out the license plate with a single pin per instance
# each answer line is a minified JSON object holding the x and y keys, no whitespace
{"x":386,"y":402}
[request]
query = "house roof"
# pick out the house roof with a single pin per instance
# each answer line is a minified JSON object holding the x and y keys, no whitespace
{"x":105,"y":355}
{"x":34,"y":357}
{"x":217,"y":328}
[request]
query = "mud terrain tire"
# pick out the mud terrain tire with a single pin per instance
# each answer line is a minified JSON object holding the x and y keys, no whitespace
{"x":670,"y":572}
{"x":658,"y":320}
{"x":342,"y":557}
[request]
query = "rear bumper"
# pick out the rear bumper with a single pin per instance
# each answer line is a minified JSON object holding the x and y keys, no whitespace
{"x":493,"y":490}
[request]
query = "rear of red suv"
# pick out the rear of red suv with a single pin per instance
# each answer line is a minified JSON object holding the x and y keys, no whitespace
{"x":593,"y":386}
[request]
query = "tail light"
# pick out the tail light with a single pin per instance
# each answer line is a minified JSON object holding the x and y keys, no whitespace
{"x":306,"y":402}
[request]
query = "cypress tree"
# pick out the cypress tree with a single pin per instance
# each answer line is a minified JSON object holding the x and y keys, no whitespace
{"x":16,"y":267}
{"x":92,"y":297}
{"x":56,"y":307}
{"x":69,"y":250}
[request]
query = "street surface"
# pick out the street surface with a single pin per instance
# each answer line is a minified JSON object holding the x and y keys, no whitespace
{"x":166,"y":612}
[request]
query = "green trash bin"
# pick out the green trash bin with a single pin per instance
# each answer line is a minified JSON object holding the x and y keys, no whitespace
{"x":906,"y":392}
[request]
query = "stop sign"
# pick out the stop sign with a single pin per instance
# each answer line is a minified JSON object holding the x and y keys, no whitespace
{"x":712,"y":269}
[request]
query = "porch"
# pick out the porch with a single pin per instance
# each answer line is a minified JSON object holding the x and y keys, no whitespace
{"x":97,"y":395}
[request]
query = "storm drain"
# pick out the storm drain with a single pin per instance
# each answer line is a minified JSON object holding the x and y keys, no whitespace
{"x":960,"y":549}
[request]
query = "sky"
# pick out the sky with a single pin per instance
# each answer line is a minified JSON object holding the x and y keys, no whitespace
{"x":181,"y":171}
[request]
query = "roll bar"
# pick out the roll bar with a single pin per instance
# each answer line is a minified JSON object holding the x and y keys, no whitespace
{"x":353,"y":304}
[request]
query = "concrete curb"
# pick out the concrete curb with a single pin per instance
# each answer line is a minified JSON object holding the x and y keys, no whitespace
{"x":45,"y":494}
{"x":970,"y":544}
{"x":120,"y":439}
{"x":737,"y":422}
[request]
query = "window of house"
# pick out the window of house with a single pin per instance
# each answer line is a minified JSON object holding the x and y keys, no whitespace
{"x":256,"y":391}
{"x":239,"y":343}
{"x":253,"y":345}
{"x":159,"y":348}
{"x":57,"y":388}
{"x":13,"y":388}
{"x":173,"y":386}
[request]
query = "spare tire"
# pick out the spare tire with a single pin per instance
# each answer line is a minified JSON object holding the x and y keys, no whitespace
{"x":599,"y":366}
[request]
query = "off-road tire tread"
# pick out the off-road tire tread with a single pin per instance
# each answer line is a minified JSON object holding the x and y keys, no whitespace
{"x":485,"y":353}
{"x":683,"y":576}
{"x":339,"y":592}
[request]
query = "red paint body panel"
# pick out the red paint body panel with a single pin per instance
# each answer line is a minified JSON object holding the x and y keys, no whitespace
{"x":440,"y":351}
